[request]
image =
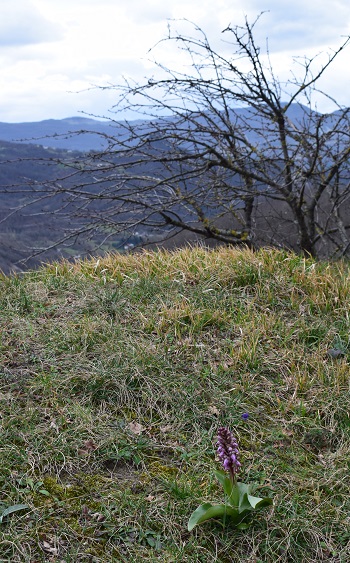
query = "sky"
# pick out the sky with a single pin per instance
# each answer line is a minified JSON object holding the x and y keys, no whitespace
{"x":55,"y":53}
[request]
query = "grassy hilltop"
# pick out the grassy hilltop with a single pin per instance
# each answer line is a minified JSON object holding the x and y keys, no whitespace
{"x":115,"y":376}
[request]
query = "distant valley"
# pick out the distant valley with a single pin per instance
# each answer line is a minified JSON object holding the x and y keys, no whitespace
{"x":39,"y":225}
{"x":35,"y":152}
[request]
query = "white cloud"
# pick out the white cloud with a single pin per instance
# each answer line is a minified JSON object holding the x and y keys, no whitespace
{"x":21,"y":23}
{"x":49,"y":48}
{"x":302,"y":24}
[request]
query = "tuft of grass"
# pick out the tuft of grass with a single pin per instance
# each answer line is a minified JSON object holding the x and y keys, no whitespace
{"x":117,"y":373}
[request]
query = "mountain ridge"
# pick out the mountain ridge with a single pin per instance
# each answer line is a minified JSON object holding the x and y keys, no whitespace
{"x":90,"y":133}
{"x":32,"y":153}
{"x":58,"y":133}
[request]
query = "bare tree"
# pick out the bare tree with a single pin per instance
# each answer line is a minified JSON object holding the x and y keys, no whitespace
{"x":226,"y":152}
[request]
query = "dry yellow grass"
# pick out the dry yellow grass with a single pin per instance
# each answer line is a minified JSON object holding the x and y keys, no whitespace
{"x":117,"y":372}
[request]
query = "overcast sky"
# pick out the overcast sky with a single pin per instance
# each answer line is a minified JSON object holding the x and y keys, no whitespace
{"x":53,"y":51}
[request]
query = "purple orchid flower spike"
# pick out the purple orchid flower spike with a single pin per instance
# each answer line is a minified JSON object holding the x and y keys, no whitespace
{"x":228,"y":452}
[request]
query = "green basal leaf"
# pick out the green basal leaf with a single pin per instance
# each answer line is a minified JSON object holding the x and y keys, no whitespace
{"x":10,"y":509}
{"x":225,"y":481}
{"x":244,"y":488}
{"x":240,"y":503}
{"x":244,"y":504}
{"x":44,"y":492}
{"x":230,"y":488}
{"x":248,"y":502}
{"x":207,"y":510}
{"x":243,"y":526}
{"x":259,"y":502}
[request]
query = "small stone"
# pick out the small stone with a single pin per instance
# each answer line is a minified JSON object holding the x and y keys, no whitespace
{"x":335,"y":353}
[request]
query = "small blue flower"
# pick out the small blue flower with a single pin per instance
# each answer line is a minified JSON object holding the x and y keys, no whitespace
{"x":245,"y":415}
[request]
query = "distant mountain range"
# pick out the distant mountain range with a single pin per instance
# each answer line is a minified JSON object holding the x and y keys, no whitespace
{"x":84,"y":133}
{"x":26,"y":150}
{"x":72,"y":133}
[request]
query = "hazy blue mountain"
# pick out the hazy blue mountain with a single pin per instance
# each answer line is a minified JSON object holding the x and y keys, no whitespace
{"x":84,"y":134}
{"x":29,"y":153}
{"x":58,"y":133}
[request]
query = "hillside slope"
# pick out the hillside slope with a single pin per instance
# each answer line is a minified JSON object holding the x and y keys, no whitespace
{"x":30,"y":220}
{"x":115,"y":377}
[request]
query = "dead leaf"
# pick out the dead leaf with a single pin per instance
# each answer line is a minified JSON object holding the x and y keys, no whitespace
{"x":214,"y":410}
{"x":54,"y":426}
{"x":48,"y":548}
{"x":279,"y":444}
{"x":98,"y":517}
{"x":88,"y":447}
{"x":136,"y":428}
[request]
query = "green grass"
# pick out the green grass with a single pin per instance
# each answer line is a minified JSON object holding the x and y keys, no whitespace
{"x":115,"y":376}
